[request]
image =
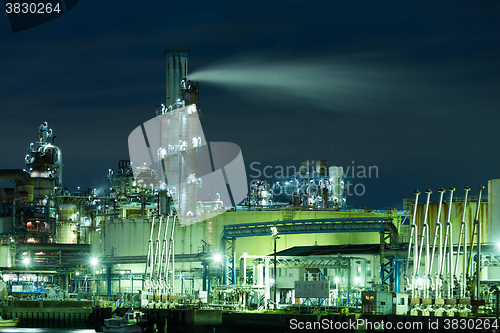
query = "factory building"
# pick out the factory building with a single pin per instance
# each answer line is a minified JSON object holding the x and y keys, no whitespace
{"x":164,"y":232}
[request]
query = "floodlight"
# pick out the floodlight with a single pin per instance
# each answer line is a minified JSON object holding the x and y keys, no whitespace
{"x":217,"y":257}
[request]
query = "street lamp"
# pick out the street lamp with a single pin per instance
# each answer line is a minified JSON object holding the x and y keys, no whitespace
{"x":26,"y":261}
{"x":274,"y":230}
{"x":94,"y":262}
{"x":337,"y":299}
{"x":217,"y":257}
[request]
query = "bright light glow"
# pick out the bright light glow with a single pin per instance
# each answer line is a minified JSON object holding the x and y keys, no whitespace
{"x":274,"y":230}
{"x":420,"y":281}
{"x":245,"y":254}
{"x":94,"y":261}
{"x":77,"y":273}
{"x":26,"y":261}
{"x":356,"y":280}
{"x":336,"y":279}
{"x":217,"y":257}
{"x":271,"y":280}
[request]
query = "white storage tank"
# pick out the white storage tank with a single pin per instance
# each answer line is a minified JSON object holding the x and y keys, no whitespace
{"x":66,"y":224}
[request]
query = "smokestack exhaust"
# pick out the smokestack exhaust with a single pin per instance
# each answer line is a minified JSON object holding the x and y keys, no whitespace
{"x":177,"y":66}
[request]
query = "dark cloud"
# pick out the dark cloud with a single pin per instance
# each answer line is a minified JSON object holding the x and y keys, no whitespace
{"x":409,"y":87}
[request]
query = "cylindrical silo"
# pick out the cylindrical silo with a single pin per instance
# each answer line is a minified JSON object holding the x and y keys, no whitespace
{"x":67,"y":216}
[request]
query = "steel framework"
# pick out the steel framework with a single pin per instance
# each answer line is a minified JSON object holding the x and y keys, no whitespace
{"x":383,"y":225}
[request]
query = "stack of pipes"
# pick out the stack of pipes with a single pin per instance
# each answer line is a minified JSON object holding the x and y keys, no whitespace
{"x":421,"y":284}
{"x":160,"y":259}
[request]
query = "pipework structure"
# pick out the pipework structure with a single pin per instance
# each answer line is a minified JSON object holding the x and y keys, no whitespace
{"x":33,"y":213}
{"x":42,"y":225}
{"x":44,"y":161}
{"x":177,"y":133}
{"x":314,"y":185}
{"x":159,"y":272}
{"x":443,"y":288}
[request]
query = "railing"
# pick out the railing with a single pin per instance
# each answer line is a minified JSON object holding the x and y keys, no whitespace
{"x":311,"y":226}
{"x":489,"y":260}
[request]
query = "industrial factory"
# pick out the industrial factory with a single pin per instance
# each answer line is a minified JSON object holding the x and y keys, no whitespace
{"x":180,"y":227}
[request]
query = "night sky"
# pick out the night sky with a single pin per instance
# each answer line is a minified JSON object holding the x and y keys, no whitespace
{"x":409,"y":87}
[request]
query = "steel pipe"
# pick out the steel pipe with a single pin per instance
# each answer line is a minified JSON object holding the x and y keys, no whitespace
{"x":425,"y":235}
{"x":463,"y":235}
{"x":438,"y":231}
{"x":448,"y":239}
{"x":162,"y":257}
{"x":413,"y":234}
{"x":156,"y":260}
{"x":170,"y":256}
{"x":164,"y":254}
{"x":58,"y":162}
{"x":149,"y":258}
{"x":478,"y":255}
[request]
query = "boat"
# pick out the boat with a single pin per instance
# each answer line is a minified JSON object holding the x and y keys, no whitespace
{"x":133,"y":321}
{"x":8,"y":322}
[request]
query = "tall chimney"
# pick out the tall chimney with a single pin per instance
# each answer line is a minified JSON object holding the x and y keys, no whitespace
{"x":176,"y":71}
